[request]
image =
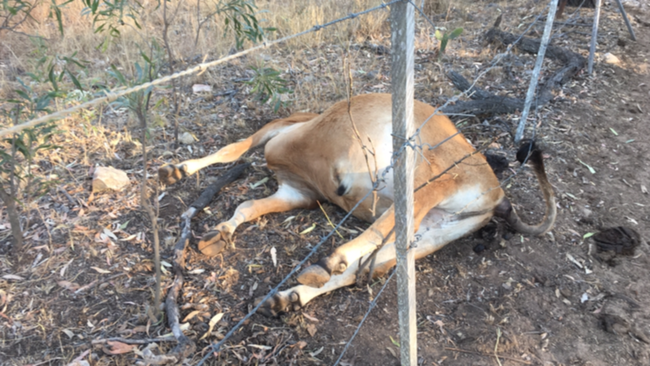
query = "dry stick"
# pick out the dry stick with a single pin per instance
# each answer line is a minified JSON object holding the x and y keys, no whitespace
{"x":185,"y":345}
{"x":496,"y":346}
{"x":170,"y":59}
{"x":133,"y":341}
{"x":594,"y":38}
{"x":626,"y":19}
{"x":14,"y":217}
{"x":95,"y":282}
{"x":488,"y":355}
{"x":538,"y":67}
{"x":146,"y":204}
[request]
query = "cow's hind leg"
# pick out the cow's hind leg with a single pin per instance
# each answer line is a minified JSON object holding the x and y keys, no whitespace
{"x":172,"y":173}
{"x":285,"y":199}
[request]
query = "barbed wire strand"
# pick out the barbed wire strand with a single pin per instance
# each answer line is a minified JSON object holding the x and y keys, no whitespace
{"x":110,"y":97}
{"x":216,"y":347}
{"x":372,"y":306}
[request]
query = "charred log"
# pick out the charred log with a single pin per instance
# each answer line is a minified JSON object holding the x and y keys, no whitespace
{"x":487,"y":103}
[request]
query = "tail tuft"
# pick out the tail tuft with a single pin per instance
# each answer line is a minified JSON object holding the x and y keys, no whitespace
{"x":529,"y":152}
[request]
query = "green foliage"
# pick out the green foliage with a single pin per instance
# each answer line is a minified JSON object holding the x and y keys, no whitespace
{"x":110,"y":15}
{"x":53,"y":68}
{"x":268,"y":86}
{"x":444,"y":39}
{"x":14,"y":12}
{"x":138,"y":102}
{"x":240,"y":17}
{"x":17,"y":158}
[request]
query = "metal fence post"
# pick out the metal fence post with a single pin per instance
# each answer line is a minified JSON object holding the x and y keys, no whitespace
{"x":546,"y":37}
{"x":594,"y":38}
{"x":402,"y":38}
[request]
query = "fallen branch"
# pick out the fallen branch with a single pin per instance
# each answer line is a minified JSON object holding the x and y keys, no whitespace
{"x":185,"y":345}
{"x":134,"y":341}
{"x":487,"y":103}
{"x":488,"y":355}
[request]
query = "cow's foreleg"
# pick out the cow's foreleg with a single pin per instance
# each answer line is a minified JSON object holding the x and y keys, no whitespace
{"x":285,"y":199}
{"x":298,"y":296}
{"x":436,"y":230}
{"x":338,"y":262}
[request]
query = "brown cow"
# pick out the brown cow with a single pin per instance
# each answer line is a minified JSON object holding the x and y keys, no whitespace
{"x":319,"y":157}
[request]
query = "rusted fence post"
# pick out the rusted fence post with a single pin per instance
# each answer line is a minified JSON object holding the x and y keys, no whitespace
{"x":402,"y":34}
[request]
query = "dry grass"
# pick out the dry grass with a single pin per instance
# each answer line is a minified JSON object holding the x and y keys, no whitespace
{"x":18,"y":53}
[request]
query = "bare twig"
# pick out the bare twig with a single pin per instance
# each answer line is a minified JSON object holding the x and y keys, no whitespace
{"x":488,"y":355}
{"x":134,"y":341}
{"x":185,"y":345}
{"x":170,"y":59}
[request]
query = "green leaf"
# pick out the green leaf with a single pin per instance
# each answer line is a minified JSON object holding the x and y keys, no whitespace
{"x":76,"y":82}
{"x":57,"y":13}
{"x":118,"y":75}
{"x":456,"y":33}
{"x":591,"y":170}
{"x":396,"y":343}
{"x":52,"y":78}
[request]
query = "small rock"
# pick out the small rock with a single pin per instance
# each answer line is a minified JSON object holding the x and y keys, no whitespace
{"x":479,"y":248}
{"x":186,"y":138}
{"x":611,"y":59}
{"x":201,"y":88}
{"x":373,"y":75}
{"x":79,"y":363}
{"x":565,"y":292}
{"x":109,"y":179}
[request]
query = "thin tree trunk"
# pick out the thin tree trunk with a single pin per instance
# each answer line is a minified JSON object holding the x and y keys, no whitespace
{"x":14,"y":218}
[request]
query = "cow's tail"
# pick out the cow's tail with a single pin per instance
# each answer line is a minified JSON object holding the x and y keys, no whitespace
{"x":529,"y":153}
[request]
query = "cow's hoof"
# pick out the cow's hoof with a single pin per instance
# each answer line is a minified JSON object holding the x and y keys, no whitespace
{"x":213,"y":243}
{"x":169,"y":174}
{"x":314,"y":276}
{"x":278,"y":304}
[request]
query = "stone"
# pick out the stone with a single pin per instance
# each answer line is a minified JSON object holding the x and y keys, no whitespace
{"x":109,"y":179}
{"x":611,"y":59}
{"x":186,"y":138}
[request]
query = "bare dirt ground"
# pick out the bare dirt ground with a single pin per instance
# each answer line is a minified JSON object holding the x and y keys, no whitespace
{"x":553,"y":300}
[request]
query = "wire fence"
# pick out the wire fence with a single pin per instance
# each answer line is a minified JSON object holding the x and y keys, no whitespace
{"x":409,"y":143}
{"x":412,"y":142}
